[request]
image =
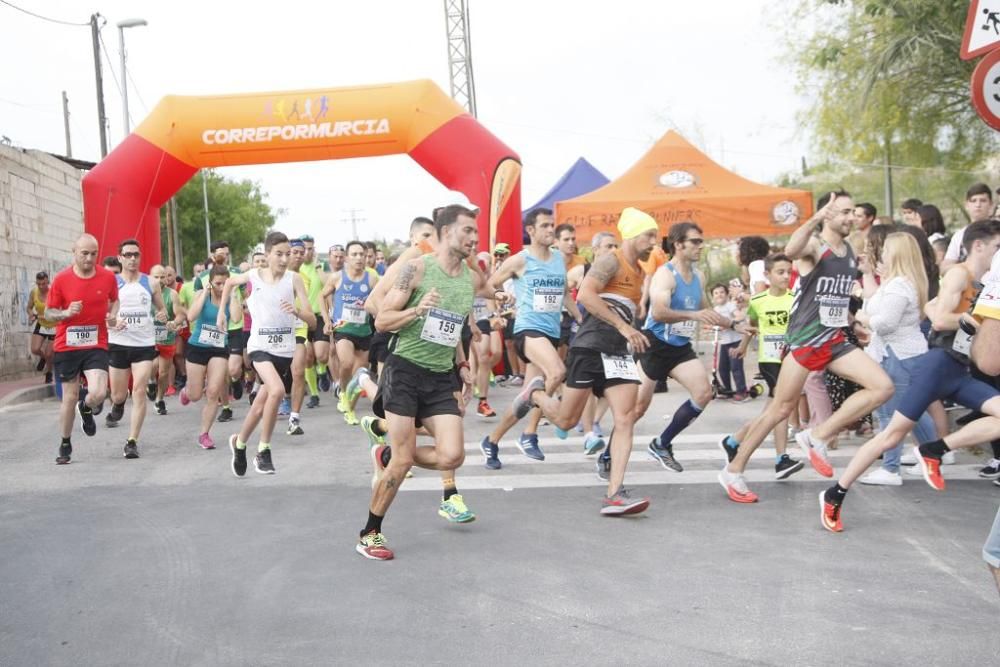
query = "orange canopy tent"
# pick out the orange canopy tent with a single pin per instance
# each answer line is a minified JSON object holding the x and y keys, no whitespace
{"x":676,"y":182}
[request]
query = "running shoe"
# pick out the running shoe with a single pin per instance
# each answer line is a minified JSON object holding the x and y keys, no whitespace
{"x":528,"y":444}
{"x":294,"y":428}
{"x":161,"y":407}
{"x":262,"y":462}
{"x":991,"y":470}
{"x":115,"y":416}
{"x":65,"y":453}
{"x":342,"y":404}
{"x":171,"y":391}
{"x":285,"y":407}
{"x":236,"y":389}
{"x":87,"y":422}
{"x":367,"y":425}
{"x":353,"y":390}
{"x":907,"y":460}
{"x":239,"y":457}
{"x":131,"y":449}
{"x":829,"y":514}
{"x":226,"y":414}
{"x":561,"y":433}
{"x":740,"y":397}
{"x":665,"y":455}
{"x":930,"y":468}
{"x":372,"y":546}
{"x":351,"y":418}
{"x":491,"y":451}
{"x":522,"y":402}
{"x":455,"y":511}
{"x":815,"y":452}
{"x":593,"y":443}
{"x":948,"y":459}
{"x":516,"y":381}
{"x":604,"y":464}
{"x":184,"y":398}
{"x":484,"y":409}
{"x":623,"y":503}
{"x":205,"y":441}
{"x":598,"y":431}
{"x":151,"y":391}
{"x":729,"y":452}
{"x":736,"y":487}
{"x":324,"y":380}
{"x":313,"y":402}
{"x":786,"y":467}
{"x":377,"y":467}
{"x":882,"y":477}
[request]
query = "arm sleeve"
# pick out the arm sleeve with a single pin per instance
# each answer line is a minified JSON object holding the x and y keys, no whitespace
{"x":896,"y":298}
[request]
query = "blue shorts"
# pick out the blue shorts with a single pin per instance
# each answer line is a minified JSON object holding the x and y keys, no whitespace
{"x":936,"y":375}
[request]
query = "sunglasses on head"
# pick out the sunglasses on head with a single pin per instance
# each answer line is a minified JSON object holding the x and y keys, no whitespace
{"x":336,"y":248}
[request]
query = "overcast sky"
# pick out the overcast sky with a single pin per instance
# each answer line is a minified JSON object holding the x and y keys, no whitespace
{"x":555,"y":81}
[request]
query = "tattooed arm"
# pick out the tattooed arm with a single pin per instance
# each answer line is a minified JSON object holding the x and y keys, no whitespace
{"x":394,"y":315}
{"x":597,"y":278}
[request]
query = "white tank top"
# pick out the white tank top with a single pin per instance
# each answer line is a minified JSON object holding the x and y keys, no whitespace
{"x":135,"y":307}
{"x":271,"y":329}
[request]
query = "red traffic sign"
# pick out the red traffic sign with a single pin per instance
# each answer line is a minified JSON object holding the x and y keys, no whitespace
{"x":986,"y":89}
{"x":982,"y":28}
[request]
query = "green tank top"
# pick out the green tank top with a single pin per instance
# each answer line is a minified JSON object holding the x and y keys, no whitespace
{"x":163,"y":335}
{"x":314,"y":287}
{"x":430,"y":341}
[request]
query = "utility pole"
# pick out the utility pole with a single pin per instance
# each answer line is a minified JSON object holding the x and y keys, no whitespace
{"x":69,"y":145}
{"x":170,"y":232}
{"x":887,"y":155}
{"x":463,"y":86}
{"x":178,"y":250}
{"x":102,"y":119}
{"x":354,"y":219}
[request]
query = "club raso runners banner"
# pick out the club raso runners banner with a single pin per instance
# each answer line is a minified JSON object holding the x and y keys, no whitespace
{"x":122,"y":195}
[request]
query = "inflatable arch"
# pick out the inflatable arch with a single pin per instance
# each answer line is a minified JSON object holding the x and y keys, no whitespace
{"x":122,"y":195}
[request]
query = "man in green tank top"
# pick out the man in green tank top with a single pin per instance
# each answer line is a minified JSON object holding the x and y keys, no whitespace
{"x":429,"y":300}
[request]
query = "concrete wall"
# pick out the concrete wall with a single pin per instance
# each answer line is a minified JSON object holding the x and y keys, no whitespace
{"x":41,"y":214}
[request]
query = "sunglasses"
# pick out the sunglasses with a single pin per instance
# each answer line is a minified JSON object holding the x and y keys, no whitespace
{"x":130,"y":255}
{"x":695,"y":241}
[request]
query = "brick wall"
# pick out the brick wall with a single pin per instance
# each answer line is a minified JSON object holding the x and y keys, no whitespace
{"x":41,"y":214}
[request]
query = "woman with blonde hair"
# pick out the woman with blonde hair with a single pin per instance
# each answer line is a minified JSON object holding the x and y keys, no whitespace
{"x":893,"y":316}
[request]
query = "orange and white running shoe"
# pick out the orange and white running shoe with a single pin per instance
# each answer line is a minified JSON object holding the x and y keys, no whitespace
{"x":736,"y":487}
{"x":829,"y":514}
{"x":930,"y":467}
{"x":815,"y":452}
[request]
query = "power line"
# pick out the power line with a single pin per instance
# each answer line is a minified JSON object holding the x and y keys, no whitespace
{"x":111,"y":68}
{"x":44,"y":18}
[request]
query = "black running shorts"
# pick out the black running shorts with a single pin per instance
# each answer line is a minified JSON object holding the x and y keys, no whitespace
{"x":585,"y":370}
{"x":411,"y":391}
{"x":281,"y":364}
{"x":70,"y":364}
{"x":660,"y":358}
{"x":122,"y":356}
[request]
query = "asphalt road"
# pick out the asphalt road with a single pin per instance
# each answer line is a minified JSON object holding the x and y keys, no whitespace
{"x":169,"y":559}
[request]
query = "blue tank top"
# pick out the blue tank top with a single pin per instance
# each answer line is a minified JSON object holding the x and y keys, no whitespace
{"x":539,"y":293}
{"x":686,"y":296}
{"x":349,"y":313}
{"x":203,"y":330}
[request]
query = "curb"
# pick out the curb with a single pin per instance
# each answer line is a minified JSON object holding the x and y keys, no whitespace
{"x":27,"y":395}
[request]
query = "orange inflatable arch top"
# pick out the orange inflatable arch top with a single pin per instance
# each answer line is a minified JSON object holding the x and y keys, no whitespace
{"x":122,"y":195}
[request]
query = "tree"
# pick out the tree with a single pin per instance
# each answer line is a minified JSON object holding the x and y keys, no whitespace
{"x":237,"y":212}
{"x":885,"y":75}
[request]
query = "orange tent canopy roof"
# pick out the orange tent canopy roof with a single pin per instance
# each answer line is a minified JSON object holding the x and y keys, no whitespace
{"x":676,"y":182}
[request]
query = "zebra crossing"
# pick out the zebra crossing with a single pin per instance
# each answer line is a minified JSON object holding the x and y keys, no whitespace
{"x":566,"y":465}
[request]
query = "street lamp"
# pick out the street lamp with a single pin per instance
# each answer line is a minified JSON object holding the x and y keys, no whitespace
{"x":127,"y":23}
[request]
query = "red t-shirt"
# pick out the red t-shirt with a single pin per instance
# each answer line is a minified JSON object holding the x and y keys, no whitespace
{"x":88,"y":329}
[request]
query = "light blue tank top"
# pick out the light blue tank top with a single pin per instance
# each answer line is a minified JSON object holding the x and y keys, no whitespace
{"x":539,"y":293}
{"x":209,"y":314}
{"x":686,"y":296}
{"x":349,"y":305}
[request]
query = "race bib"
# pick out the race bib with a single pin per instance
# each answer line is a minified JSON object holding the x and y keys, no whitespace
{"x":442,"y":327}
{"x":81,"y":336}
{"x":770,"y":346}
{"x":962,"y":343}
{"x":685,"y":329}
{"x":135,"y":318}
{"x":278,"y":340}
{"x":479,"y":310}
{"x":619,"y":367}
{"x":546,"y":299}
{"x":833,"y":311}
{"x":988,"y":303}
{"x":354,"y":315}
{"x":161,"y":333}
{"x":211,"y":336}
{"x":46,"y":331}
